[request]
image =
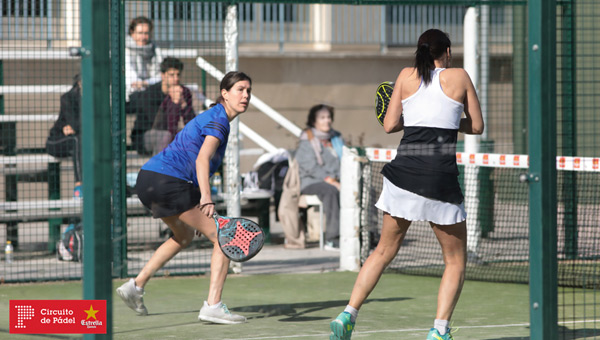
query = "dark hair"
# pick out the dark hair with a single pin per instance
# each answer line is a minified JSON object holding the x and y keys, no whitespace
{"x":312,"y":114}
{"x":170,"y":62}
{"x":431,"y":46}
{"x":228,"y":81}
{"x":140,"y":20}
{"x":76,"y":79}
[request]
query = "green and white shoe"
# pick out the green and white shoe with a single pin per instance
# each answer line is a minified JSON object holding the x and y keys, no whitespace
{"x":341,"y":327}
{"x":435,"y":335}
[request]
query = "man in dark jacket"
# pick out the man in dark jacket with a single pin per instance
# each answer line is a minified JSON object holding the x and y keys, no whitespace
{"x":159,"y":109}
{"x":63,"y":139}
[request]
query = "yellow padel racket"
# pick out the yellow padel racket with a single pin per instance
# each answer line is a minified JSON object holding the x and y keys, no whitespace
{"x":382,"y":99}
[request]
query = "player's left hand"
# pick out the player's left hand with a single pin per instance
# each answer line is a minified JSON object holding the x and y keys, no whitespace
{"x":207,"y":208}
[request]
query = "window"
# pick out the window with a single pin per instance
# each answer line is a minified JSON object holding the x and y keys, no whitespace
{"x":163,"y":10}
{"x":25,"y":8}
{"x":271,"y":12}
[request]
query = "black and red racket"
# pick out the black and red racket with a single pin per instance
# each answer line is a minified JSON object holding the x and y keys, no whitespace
{"x":240,"y":239}
{"x":382,"y":99}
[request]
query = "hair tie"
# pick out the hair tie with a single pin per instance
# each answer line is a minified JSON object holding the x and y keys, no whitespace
{"x":205,"y":204}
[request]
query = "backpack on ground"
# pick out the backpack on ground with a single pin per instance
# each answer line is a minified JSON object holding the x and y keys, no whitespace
{"x":70,"y":246}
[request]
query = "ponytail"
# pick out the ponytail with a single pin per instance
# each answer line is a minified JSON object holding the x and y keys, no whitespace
{"x":424,"y":62}
{"x":432,"y":45}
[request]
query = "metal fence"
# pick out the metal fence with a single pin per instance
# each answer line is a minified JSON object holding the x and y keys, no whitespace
{"x":260,"y":23}
{"x":36,"y":71}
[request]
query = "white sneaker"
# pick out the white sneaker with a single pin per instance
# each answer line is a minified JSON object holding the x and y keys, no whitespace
{"x":132,"y":298}
{"x":219,"y":315}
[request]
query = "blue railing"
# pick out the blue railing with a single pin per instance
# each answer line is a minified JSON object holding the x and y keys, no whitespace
{"x":282,"y":24}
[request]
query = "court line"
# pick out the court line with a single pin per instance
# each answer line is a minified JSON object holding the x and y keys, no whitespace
{"x":321,"y":335}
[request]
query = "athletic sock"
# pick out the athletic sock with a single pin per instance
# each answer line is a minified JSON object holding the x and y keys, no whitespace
{"x":353,"y":313}
{"x":138,"y":289}
{"x":216,"y":305}
{"x":441,"y":326}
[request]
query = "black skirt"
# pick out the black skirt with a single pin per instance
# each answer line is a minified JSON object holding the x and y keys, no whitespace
{"x":166,"y":195}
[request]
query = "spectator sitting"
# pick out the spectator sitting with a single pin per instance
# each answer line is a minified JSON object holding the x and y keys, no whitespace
{"x":142,"y":57}
{"x":63,"y":139}
{"x":159,"y":108}
{"x":318,"y":155}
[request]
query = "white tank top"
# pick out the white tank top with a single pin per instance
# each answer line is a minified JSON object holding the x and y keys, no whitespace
{"x":431,"y":107}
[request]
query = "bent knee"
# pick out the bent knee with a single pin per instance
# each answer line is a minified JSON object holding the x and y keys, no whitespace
{"x":184,"y":240}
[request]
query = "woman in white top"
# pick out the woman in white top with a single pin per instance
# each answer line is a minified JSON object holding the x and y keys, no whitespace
{"x":142,"y":57}
{"x":421,"y":183}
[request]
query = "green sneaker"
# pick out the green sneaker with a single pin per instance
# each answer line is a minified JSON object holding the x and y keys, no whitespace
{"x":341,"y":327}
{"x":435,"y":335}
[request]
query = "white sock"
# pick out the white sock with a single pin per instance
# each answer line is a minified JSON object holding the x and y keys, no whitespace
{"x":441,"y":326}
{"x":138,"y":289}
{"x":216,"y":305}
{"x":352,"y":311}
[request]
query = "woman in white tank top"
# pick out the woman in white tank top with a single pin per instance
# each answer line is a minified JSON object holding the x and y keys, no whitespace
{"x":421,"y":183}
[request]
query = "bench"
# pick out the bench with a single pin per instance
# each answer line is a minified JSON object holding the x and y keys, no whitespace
{"x":8,"y":129}
{"x":57,"y":211}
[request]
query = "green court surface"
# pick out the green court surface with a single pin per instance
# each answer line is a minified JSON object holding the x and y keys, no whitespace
{"x":297,"y":306}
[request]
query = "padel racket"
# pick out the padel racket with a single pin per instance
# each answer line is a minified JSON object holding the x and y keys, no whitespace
{"x":239,"y":238}
{"x":382,"y":99}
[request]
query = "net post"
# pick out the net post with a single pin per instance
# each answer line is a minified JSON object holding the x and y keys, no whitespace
{"x":350,"y":192}
{"x":471,"y":144}
{"x":232,"y":154}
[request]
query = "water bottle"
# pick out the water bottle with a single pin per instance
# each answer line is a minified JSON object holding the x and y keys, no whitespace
{"x":8,"y":252}
{"x":217,"y":181}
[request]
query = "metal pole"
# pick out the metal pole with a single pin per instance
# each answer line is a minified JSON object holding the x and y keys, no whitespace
{"x":119,"y":225}
{"x":471,"y":141}
{"x":542,"y":170}
{"x":96,"y":154}
{"x":232,"y":154}
{"x":569,"y":126}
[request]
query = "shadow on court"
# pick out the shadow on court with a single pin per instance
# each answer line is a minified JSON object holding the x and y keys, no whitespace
{"x":297,"y":312}
{"x":564,"y":333}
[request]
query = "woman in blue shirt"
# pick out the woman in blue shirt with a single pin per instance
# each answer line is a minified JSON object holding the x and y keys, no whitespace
{"x":174,"y":185}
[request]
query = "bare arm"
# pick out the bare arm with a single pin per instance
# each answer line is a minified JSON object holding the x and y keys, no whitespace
{"x":393,"y":121}
{"x":208,"y":149}
{"x":473,"y":122}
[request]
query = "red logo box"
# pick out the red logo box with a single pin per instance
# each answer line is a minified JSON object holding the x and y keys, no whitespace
{"x":57,"y":316}
{"x":561,"y":162}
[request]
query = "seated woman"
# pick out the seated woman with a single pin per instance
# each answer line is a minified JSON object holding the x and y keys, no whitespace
{"x":142,"y":57}
{"x":63,"y":139}
{"x":318,"y":155}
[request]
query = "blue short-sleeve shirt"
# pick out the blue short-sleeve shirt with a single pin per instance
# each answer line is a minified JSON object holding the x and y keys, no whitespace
{"x":179,"y":158}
